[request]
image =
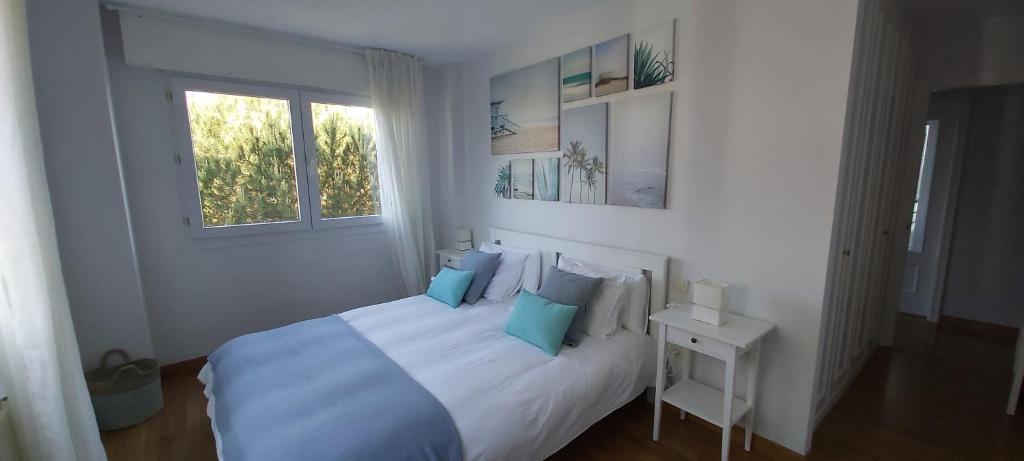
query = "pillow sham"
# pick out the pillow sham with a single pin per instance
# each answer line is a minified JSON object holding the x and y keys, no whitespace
{"x":602,"y":316}
{"x":532,"y":268}
{"x":540,"y":321}
{"x":449,"y":286}
{"x":633,"y":315}
{"x":483,"y":265}
{"x":572,"y":289}
{"x":508,"y":276}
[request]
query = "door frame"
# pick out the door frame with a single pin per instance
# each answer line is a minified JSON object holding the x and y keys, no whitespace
{"x":959,"y":131}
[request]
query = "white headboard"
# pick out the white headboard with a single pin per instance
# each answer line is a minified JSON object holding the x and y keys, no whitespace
{"x":655,"y":267}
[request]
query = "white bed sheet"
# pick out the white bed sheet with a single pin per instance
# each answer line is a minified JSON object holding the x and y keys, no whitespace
{"x":508,"y":399}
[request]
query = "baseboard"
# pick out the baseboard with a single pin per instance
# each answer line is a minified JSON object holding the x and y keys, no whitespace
{"x":185,"y":366}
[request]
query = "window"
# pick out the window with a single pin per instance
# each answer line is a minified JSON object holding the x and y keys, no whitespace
{"x":919,"y":215}
{"x":261,"y":159}
{"x":341,"y":140}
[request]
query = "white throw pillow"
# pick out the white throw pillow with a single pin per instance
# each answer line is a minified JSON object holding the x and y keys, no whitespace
{"x":602,"y":317}
{"x":633,"y":315}
{"x":508,"y":277}
{"x":531,"y":271}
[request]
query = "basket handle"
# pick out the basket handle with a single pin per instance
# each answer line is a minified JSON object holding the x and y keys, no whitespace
{"x":125,"y":358}
{"x":125,"y":368}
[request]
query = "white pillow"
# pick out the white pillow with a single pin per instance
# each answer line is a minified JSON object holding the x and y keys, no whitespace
{"x":531,"y":272}
{"x":602,"y":317}
{"x":508,"y":277}
{"x":633,"y":314}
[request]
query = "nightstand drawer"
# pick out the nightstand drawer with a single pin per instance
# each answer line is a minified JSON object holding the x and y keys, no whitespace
{"x":450,"y":262}
{"x":699,"y":343}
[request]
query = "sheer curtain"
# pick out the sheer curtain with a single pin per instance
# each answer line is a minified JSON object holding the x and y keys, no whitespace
{"x":40,"y":369}
{"x":396,"y":87}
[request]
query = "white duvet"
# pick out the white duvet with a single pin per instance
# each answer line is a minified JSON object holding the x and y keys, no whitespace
{"x":508,"y":399}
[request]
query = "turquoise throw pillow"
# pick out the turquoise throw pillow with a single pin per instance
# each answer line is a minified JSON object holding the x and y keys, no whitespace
{"x":540,"y":321}
{"x":450,"y":285}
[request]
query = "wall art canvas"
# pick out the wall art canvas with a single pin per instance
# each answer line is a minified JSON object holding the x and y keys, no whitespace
{"x":654,"y":55}
{"x":611,"y":66}
{"x":503,"y":180}
{"x":638,"y":159}
{"x":545,"y":178}
{"x":576,"y":75}
{"x":524,"y":110}
{"x":522,"y":179}
{"x":584,"y":154}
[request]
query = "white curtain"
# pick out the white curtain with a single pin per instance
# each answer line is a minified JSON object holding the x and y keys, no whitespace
{"x":396,"y":87}
{"x":40,"y":370}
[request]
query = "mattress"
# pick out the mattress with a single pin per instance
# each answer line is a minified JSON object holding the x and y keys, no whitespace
{"x":507,"y":398}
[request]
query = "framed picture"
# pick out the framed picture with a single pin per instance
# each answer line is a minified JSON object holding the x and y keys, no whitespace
{"x":654,"y":55}
{"x":611,"y":66}
{"x":545,"y":178}
{"x":584,"y":154}
{"x":576,"y":75}
{"x":503,"y":180}
{"x":522,"y":179}
{"x":524,"y":109}
{"x":640,"y":130}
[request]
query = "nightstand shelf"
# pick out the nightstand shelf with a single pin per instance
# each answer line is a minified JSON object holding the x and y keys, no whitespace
{"x":704,"y":402}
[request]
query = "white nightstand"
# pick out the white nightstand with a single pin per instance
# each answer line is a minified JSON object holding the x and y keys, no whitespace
{"x":449,"y":257}
{"x":738,"y":336}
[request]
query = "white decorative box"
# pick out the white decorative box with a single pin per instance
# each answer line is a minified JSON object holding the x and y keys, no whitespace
{"x":708,"y":302}
{"x":710,"y":315}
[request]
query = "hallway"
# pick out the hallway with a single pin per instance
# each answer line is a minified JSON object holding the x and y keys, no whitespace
{"x":938,"y":394}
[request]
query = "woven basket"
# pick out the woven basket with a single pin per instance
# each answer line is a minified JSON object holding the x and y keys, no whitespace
{"x":126,"y":394}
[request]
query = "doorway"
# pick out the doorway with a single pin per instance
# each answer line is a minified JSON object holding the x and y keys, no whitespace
{"x":934,"y":209}
{"x":964,"y":257}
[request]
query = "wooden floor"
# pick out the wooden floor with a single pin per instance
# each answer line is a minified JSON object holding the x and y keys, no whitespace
{"x":939,"y":393}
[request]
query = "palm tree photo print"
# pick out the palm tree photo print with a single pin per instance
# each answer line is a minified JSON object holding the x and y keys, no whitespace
{"x":584,"y":154}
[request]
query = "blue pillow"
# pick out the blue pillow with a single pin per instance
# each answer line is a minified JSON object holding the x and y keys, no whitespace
{"x":449,"y":286}
{"x":483,"y":266}
{"x":572,"y":290}
{"x":539,"y":321}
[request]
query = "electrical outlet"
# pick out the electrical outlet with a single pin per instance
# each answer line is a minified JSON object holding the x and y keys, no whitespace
{"x":681,"y":284}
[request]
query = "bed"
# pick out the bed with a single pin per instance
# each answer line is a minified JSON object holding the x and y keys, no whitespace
{"x":505,"y":398}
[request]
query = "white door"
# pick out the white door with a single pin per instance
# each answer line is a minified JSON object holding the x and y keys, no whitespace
{"x":932,"y":219}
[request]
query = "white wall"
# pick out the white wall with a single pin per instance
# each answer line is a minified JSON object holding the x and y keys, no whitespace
{"x":83,"y":170}
{"x":757,"y":131}
{"x":202,"y":293}
{"x":972,"y":51}
{"x":985,"y":268}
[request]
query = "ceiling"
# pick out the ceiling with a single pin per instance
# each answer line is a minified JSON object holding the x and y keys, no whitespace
{"x":437,"y":30}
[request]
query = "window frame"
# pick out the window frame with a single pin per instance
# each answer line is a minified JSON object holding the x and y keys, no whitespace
{"x":312,"y":172}
{"x":188,"y":173}
{"x":303,"y":147}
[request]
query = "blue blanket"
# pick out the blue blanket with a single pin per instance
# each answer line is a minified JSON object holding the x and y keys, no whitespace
{"x":319,"y":390}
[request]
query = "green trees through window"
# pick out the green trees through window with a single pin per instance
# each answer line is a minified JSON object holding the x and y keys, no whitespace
{"x":245,"y":155}
{"x":346,"y":160}
{"x":245,"y":159}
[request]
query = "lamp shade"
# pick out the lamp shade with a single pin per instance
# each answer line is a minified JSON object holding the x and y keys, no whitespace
{"x":709,"y":293}
{"x":464,"y":235}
